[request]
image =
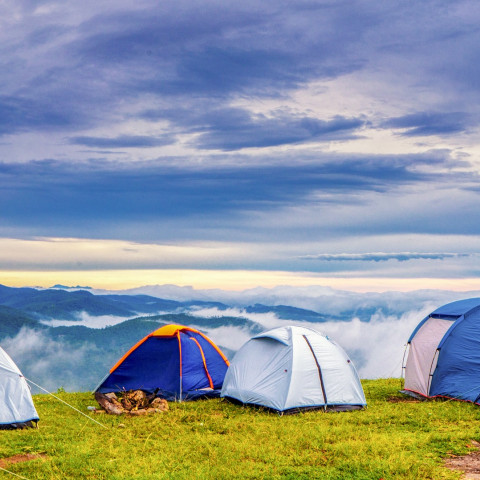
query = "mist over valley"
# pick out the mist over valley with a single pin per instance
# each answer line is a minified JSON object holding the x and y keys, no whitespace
{"x":70,"y":337}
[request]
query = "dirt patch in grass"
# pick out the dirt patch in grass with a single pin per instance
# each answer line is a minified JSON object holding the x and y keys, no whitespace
{"x":21,"y":457}
{"x":405,"y":399}
{"x":470,"y":464}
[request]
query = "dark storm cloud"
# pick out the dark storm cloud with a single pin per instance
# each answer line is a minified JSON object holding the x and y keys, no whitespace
{"x":124,"y":141}
{"x":235,"y":128}
{"x":266,"y":132}
{"x":431,"y":123}
{"x":217,"y":50}
{"x":41,"y":196}
{"x":20,"y":114}
{"x":77,"y":76}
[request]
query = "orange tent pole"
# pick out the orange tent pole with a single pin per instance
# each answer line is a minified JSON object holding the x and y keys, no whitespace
{"x":180,"y":353}
{"x":204,"y":362}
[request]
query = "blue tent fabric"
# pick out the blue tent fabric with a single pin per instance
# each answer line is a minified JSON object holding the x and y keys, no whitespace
{"x":193,"y":372}
{"x":456,"y":373}
{"x":175,"y":362}
{"x":460,"y":307}
{"x":154,"y":363}
{"x":458,"y":367}
{"x":453,"y":311}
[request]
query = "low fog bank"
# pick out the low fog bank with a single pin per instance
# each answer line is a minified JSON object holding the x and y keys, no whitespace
{"x":376,"y":347}
{"x":55,"y":364}
{"x":83,"y":319}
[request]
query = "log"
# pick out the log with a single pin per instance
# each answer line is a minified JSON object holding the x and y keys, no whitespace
{"x":109,"y":403}
{"x":134,"y":403}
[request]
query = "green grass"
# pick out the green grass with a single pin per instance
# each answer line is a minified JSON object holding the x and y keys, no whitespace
{"x":213,"y":439}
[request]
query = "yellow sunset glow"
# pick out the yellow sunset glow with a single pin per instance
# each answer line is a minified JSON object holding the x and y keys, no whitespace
{"x":226,"y":280}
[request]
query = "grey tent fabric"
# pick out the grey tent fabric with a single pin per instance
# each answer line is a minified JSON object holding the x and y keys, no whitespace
{"x":291,"y":368}
{"x":16,"y":404}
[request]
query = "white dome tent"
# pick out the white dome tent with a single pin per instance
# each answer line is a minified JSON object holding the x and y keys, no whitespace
{"x":292,"y":368}
{"x":16,"y":404}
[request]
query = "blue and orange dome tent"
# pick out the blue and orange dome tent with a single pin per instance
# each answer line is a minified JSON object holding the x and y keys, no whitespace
{"x":175,"y":362}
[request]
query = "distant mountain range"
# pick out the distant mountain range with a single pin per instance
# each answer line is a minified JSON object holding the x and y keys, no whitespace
{"x":59,"y":303}
{"x":30,"y":307}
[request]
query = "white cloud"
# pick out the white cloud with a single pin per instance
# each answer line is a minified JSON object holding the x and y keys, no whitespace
{"x":228,"y":337}
{"x":377,"y":346}
{"x":268,"y":320}
{"x":86,"y":320}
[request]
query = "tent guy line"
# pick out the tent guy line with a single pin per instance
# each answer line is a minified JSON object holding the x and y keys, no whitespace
{"x":12,"y":473}
{"x":63,"y":401}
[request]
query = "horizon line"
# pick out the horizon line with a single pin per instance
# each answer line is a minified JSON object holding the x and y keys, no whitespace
{"x":230,"y":280}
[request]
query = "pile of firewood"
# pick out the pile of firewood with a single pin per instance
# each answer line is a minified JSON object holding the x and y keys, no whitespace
{"x":134,"y":402}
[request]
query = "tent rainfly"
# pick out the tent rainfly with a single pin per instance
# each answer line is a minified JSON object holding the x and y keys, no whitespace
{"x":291,"y":368}
{"x":444,"y":353}
{"x":16,"y":404}
{"x":174,"y":361}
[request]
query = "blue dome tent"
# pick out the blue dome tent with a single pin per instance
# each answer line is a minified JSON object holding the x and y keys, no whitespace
{"x":444,"y":353}
{"x":174,"y":362}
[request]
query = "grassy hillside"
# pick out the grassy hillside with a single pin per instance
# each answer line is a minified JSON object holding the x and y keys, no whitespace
{"x":213,"y":439}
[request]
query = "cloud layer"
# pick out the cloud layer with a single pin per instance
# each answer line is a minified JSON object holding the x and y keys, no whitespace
{"x":335,"y":128}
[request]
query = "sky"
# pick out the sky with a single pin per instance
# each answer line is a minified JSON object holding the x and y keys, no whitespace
{"x":234,"y":145}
